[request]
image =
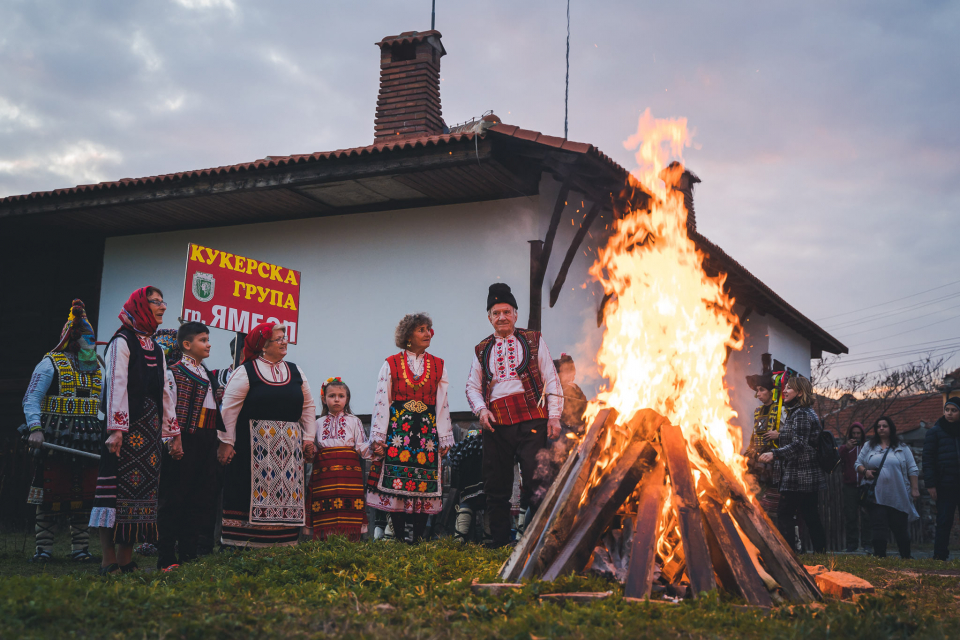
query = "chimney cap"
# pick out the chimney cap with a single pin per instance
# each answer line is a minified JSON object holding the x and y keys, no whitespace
{"x":414,"y":37}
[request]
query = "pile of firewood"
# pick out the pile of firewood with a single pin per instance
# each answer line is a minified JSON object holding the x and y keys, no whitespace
{"x":716,"y":534}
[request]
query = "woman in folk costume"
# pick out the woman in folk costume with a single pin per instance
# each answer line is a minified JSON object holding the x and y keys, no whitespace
{"x":337,"y":505}
{"x":140,"y":411}
{"x":271,"y":422}
{"x":61,"y":406}
{"x":411,"y":425}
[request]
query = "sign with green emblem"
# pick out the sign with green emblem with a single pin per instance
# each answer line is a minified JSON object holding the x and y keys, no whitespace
{"x":203,"y":286}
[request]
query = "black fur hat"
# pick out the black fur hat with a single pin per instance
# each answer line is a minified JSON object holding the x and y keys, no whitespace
{"x":500,"y":292}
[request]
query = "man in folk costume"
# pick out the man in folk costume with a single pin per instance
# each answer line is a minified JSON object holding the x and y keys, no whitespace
{"x":189,"y":486}
{"x":61,"y":406}
{"x":140,"y":412}
{"x":514,"y":389}
{"x":766,"y":425}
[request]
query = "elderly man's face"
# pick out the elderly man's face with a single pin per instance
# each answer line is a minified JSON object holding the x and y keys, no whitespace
{"x":503,"y":317}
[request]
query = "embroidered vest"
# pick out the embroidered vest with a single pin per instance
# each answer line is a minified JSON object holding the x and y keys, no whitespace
{"x":191,"y":392}
{"x":528,"y":370}
{"x":78,"y":392}
{"x":406,"y":387}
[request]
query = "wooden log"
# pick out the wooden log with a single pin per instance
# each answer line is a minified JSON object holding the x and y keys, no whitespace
{"x":604,"y":501}
{"x":583,"y":596}
{"x":560,"y":521}
{"x":732,"y":562}
{"x":687,"y":507}
{"x":643,"y":554}
{"x":778,"y":558}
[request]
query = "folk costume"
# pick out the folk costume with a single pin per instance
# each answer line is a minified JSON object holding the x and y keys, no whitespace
{"x":268,"y":412}
{"x":62,"y":401}
{"x":766,"y":417}
{"x":189,"y":486}
{"x":515,"y":379}
{"x":412,"y":418}
{"x":337,"y":504}
{"x":140,"y":404}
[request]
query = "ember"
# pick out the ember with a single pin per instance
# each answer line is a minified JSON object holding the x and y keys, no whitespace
{"x":656,"y":493}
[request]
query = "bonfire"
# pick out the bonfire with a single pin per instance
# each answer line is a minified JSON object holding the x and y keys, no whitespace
{"x":656,"y":492}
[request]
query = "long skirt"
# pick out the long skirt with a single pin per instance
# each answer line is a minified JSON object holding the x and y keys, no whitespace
{"x":408,"y":479}
{"x":128,"y":483}
{"x":337,"y":506}
{"x":263,"y":501}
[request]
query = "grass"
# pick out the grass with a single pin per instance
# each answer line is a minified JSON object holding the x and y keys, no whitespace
{"x":387,"y":590}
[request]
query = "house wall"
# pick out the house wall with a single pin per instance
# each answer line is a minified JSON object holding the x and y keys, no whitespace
{"x":360,"y":274}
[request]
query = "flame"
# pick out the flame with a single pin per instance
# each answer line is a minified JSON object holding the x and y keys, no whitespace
{"x":669,"y":326}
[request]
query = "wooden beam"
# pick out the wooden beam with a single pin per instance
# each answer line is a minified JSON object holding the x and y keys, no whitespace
{"x":732,"y":562}
{"x":602,"y":506}
{"x":588,"y":219}
{"x":536,"y":278}
{"x":779,"y":560}
{"x":536,"y":291}
{"x":521,"y":552}
{"x":687,"y":507}
{"x":558,"y":524}
{"x":643,"y":554}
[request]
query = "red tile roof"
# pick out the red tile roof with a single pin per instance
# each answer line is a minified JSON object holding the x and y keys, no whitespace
{"x":906,"y":412}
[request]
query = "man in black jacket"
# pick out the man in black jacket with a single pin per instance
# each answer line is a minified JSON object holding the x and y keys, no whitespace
{"x":941,"y":472}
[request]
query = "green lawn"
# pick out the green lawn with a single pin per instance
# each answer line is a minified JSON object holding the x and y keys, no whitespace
{"x":388,"y":590}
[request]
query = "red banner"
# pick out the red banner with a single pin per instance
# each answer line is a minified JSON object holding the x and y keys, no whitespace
{"x":237,"y":293}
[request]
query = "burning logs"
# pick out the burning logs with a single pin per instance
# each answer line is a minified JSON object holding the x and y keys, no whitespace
{"x":708,"y":532}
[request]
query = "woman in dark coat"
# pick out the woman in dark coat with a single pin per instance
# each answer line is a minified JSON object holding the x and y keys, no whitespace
{"x":941,"y":472}
{"x":795,"y":464}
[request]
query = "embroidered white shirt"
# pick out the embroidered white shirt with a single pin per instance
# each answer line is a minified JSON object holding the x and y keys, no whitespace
{"x":117,"y":358}
{"x":505,"y":356}
{"x":239,"y":386}
{"x":384,"y":398}
{"x":342,"y":430}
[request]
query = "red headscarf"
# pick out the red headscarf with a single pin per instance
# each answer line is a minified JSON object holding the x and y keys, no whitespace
{"x":137,"y":314}
{"x":256,"y":340}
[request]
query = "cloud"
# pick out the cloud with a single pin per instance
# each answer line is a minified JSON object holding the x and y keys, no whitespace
{"x":199,"y":5}
{"x":15,"y":117}
{"x":82,"y":162}
{"x":142,"y":48}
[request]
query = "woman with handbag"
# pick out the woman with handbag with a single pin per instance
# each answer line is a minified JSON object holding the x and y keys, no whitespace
{"x":891,"y":486}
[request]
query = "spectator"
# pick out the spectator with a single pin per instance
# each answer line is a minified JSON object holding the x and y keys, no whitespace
{"x":795,"y":464}
{"x":941,"y":472}
{"x":893,"y":479}
{"x":854,"y":513}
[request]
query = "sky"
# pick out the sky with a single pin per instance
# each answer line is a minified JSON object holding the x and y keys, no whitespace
{"x":825,"y":133}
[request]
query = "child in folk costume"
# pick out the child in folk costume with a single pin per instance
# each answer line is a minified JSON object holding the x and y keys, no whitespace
{"x":337,"y":505}
{"x":140,"y":411}
{"x":189,"y":487}
{"x":411,"y":425}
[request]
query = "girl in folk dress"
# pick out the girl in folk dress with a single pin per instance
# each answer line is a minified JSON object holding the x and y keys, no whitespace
{"x":271,"y":422}
{"x":337,"y":505}
{"x":411,"y":425}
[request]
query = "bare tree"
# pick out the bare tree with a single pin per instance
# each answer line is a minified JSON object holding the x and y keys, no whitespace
{"x":873,"y":393}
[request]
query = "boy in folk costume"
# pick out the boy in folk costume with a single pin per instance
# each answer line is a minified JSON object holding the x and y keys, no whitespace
{"x":61,"y":406}
{"x":511,"y":379}
{"x":337,"y":505}
{"x":188,"y":487}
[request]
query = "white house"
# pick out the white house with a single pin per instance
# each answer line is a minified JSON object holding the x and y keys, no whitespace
{"x":424,"y":219}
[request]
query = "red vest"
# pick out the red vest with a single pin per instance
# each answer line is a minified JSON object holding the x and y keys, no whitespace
{"x":528,"y":371}
{"x":406,"y":386}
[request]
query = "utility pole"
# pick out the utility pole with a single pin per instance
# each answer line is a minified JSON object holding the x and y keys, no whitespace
{"x":433,"y":15}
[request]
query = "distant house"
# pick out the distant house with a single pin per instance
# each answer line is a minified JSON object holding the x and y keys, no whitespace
{"x":424,"y":218}
{"x":912,"y":415}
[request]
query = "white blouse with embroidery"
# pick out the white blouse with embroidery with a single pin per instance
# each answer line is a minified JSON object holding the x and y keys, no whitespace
{"x":342,"y":430}
{"x":384,"y":398}
{"x":505,"y":357}
{"x":117,"y":358}
{"x":239,"y":385}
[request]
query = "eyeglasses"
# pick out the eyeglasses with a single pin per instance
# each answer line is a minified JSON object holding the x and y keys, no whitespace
{"x":277,"y":340}
{"x":157,"y":303}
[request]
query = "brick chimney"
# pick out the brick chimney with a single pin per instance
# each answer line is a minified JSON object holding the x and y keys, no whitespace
{"x":685,"y":185}
{"x":409,"y":101}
